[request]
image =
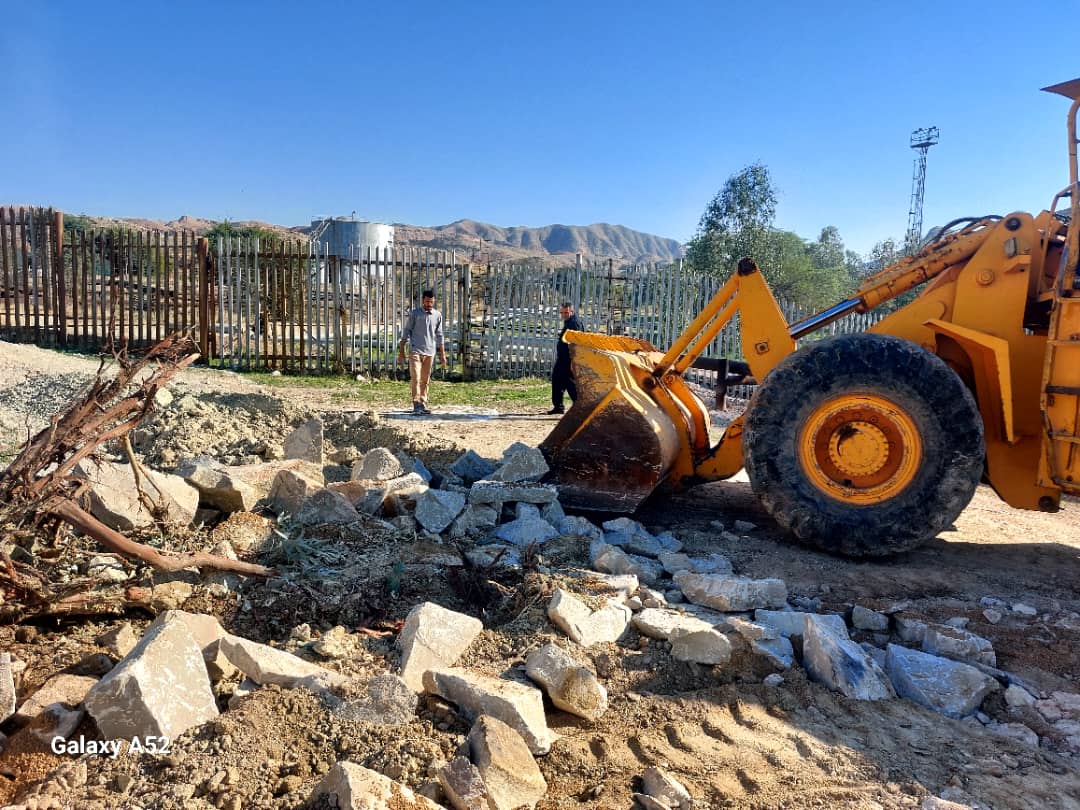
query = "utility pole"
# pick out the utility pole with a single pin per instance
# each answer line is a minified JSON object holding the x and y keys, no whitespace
{"x":921,"y":141}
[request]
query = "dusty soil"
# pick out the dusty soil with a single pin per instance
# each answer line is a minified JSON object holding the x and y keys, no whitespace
{"x":732,"y":740}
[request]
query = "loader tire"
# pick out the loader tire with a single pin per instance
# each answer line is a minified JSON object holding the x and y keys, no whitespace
{"x":864,"y":445}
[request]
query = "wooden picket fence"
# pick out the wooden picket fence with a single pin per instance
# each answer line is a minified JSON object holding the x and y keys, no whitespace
{"x":289,"y":305}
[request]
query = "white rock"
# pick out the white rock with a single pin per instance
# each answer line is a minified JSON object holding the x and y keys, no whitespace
{"x":524,"y":464}
{"x":7,"y":687}
{"x":519,"y":706}
{"x":731,"y":594}
{"x":661,"y":785}
{"x":1014,"y":731}
{"x":511,"y":775}
{"x":661,"y":623}
{"x":701,"y":647}
{"x":160,"y":688}
{"x":526,"y":531}
{"x":434,"y":638}
{"x":306,"y":442}
{"x":866,"y":619}
{"x":378,"y":464}
{"x":326,"y":506}
{"x":774,"y":679}
{"x":463,"y":785}
{"x":63,"y":689}
{"x":585,"y":626}
{"x":348,"y":786}
{"x":949,"y":687}
{"x":1017,"y":696}
{"x":264,"y":664}
{"x":570,"y":685}
{"x":841,"y":664}
{"x":991,"y":615}
{"x":436,"y":509}
{"x":1024,"y":610}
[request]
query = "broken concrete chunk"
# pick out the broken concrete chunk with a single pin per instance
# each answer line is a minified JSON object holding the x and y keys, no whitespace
{"x":160,"y":688}
{"x":571,"y":686}
{"x":207,"y":633}
{"x":521,"y":463}
{"x":236,"y":488}
{"x":553,"y":513}
{"x":583,"y":625}
{"x":525,"y":531}
{"x":495,"y":554}
{"x":379,"y":464}
{"x":326,"y":506}
{"x":511,"y":775}
{"x":264,"y":664}
{"x":752,"y":631}
{"x":910,"y":630}
{"x":520,"y":707}
{"x":291,"y":488}
{"x":348,"y":786}
{"x":472,"y":467}
{"x":613,"y":560}
{"x":866,"y":619}
{"x":579,"y":526}
{"x":7,"y":687}
{"x":777,"y":650}
{"x":64,"y":689}
{"x":793,"y":622}
{"x":56,"y":721}
{"x":731,"y":594}
{"x":434,"y":638}
{"x":115,"y":501}
{"x":674,"y":562}
{"x":463,"y":785}
{"x":436,"y":509}
{"x":306,"y":442}
{"x":499,"y":492}
{"x":959,"y":644}
{"x":947,"y":687}
{"x":660,"y":623}
{"x":474,"y":519}
{"x":700,"y":647}
{"x":661,"y":785}
{"x":647,"y":802}
{"x":841,"y":664}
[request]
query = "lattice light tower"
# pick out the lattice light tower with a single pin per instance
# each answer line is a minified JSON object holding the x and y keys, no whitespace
{"x":921,"y":141}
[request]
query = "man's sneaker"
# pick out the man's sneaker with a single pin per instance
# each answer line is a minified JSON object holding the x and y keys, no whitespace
{"x":554,"y":411}
{"x":424,"y":408}
{"x":417,"y":408}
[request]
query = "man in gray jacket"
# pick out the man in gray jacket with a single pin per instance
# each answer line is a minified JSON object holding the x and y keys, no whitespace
{"x":423,"y":333}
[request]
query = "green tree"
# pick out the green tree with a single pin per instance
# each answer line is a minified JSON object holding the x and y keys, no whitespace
{"x":736,"y":223}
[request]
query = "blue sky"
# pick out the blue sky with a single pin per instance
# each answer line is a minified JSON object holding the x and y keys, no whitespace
{"x":533,"y":113}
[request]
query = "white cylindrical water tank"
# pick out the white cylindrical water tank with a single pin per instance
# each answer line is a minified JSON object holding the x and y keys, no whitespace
{"x":349,"y":238}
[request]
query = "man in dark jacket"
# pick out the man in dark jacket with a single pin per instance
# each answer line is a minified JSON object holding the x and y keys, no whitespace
{"x":562,"y":376}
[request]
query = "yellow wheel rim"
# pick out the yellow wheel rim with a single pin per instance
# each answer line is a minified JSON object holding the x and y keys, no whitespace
{"x":860,"y":448}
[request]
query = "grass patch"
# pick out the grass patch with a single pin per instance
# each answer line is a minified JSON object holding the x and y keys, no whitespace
{"x":499,"y":394}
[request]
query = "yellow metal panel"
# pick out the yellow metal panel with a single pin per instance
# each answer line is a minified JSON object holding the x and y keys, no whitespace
{"x":993,"y":378}
{"x":764,"y":330}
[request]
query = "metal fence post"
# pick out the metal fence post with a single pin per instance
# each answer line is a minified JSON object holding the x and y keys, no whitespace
{"x":203,"y":253}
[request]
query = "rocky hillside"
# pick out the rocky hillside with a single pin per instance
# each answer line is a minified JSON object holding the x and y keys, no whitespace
{"x":478,"y":240}
{"x":599,"y":241}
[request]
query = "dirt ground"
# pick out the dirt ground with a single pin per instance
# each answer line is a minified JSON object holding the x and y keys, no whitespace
{"x":732,"y":740}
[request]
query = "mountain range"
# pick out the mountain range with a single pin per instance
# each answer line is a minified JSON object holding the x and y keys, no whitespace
{"x":480,"y":241}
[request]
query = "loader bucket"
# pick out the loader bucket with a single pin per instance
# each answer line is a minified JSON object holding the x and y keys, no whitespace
{"x":616,"y":443}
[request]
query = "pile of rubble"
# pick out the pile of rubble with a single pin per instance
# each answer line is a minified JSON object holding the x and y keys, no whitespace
{"x":186,"y":668}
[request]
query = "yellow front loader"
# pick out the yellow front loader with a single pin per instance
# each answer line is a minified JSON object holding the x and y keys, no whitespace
{"x":864,"y":444}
